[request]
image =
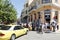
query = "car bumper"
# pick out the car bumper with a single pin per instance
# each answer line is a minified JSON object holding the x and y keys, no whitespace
{"x":4,"y":39}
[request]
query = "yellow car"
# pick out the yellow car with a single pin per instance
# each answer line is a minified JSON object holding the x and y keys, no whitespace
{"x":10,"y":32}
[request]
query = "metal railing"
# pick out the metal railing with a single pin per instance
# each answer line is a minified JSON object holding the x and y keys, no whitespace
{"x":46,"y":1}
{"x":34,"y":7}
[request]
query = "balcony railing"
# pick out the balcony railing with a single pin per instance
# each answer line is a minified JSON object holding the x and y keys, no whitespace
{"x":46,"y":1}
{"x":34,"y":7}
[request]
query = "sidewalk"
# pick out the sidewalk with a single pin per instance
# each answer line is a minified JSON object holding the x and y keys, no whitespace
{"x":58,"y":31}
{"x":48,"y":31}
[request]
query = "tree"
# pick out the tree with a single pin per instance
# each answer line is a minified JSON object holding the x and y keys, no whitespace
{"x":8,"y":13}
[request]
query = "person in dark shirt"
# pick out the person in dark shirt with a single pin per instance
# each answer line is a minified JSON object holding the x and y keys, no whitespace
{"x":38,"y":25}
{"x":33,"y":25}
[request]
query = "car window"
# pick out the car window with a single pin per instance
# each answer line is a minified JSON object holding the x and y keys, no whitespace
{"x":5,"y":27}
{"x":1,"y":26}
{"x":18,"y":28}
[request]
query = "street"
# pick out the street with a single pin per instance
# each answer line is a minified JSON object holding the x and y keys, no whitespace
{"x":33,"y":35}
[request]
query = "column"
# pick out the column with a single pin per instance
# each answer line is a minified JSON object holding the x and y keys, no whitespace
{"x":59,"y":20}
{"x":42,"y":17}
{"x":52,"y":14}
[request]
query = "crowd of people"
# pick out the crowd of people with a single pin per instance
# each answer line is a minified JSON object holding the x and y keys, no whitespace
{"x":42,"y":27}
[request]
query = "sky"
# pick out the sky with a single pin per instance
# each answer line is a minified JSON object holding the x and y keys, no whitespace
{"x":18,"y":5}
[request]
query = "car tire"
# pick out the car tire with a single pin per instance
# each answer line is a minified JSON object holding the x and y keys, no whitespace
{"x":13,"y":37}
{"x":26,"y":32}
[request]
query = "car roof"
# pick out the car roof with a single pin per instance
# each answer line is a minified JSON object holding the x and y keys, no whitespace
{"x":12,"y":25}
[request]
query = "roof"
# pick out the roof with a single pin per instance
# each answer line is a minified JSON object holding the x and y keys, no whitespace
{"x":12,"y":25}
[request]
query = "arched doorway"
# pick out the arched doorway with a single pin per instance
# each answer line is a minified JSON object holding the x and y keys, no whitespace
{"x":47,"y":16}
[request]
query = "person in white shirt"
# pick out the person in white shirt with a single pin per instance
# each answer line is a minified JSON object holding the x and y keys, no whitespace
{"x":54,"y":25}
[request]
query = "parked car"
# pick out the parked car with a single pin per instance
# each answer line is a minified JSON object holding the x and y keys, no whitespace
{"x":1,"y":25}
{"x":10,"y":32}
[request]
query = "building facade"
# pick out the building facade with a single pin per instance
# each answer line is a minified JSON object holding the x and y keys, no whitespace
{"x":46,"y":10}
{"x":24,"y":13}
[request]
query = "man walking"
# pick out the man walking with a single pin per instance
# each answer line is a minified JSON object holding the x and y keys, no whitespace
{"x":33,"y":25}
{"x":38,"y":26}
{"x":54,"y":25}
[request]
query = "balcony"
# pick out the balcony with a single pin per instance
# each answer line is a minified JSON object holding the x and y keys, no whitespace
{"x":32,"y":8}
{"x":42,"y":5}
{"x":46,"y":1}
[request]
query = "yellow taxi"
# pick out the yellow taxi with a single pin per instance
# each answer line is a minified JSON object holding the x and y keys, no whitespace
{"x":11,"y":32}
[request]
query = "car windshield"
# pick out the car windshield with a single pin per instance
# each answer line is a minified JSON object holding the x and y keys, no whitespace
{"x":5,"y":27}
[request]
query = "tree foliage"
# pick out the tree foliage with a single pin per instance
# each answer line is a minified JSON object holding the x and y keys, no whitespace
{"x":7,"y":12}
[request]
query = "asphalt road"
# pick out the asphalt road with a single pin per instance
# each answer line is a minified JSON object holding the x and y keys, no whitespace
{"x":33,"y":35}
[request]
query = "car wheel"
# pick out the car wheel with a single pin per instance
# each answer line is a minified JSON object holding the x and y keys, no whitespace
{"x":13,"y":37}
{"x":26,"y":32}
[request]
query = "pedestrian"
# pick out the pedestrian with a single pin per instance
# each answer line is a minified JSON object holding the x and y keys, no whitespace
{"x":26,"y":25}
{"x":30,"y":25}
{"x":43,"y":27}
{"x":54,"y":25}
{"x":57,"y":27}
{"x":38,"y":25}
{"x":33,"y":25}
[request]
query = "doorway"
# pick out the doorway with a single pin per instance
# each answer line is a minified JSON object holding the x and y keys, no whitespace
{"x":47,"y":17}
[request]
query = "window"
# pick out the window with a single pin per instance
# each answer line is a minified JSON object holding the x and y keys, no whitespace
{"x":47,"y":14}
{"x":31,"y":18}
{"x":56,"y":14}
{"x":26,"y":4}
{"x":26,"y":11}
{"x":39,"y":15}
{"x":5,"y":27}
{"x":56,"y":1}
{"x":46,"y":1}
{"x":21,"y":15}
{"x":39,"y":2}
{"x":18,"y":27}
{"x":35,"y":16}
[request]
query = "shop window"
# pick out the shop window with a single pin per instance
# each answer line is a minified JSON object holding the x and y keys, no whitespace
{"x":47,"y":14}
